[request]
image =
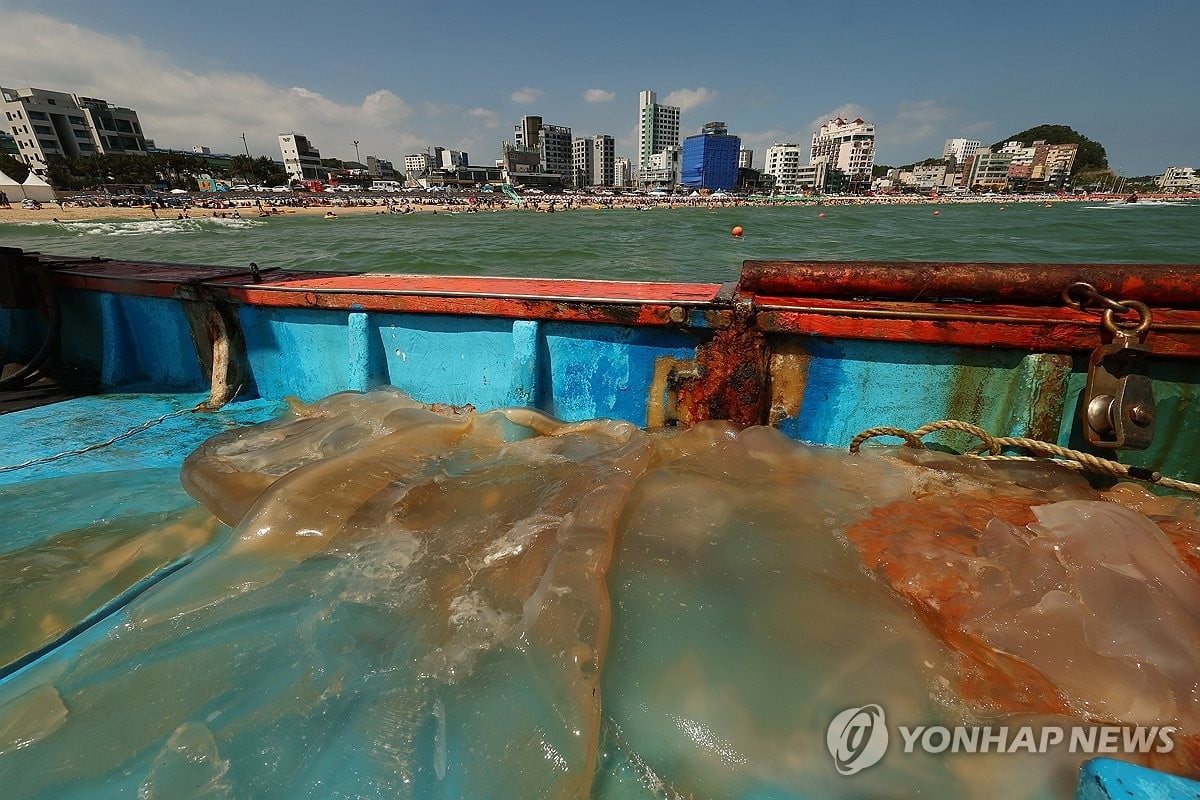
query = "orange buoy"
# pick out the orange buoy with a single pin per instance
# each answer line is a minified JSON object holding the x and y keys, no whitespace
{"x":737,"y":230}
{"x":936,"y":213}
{"x":821,"y":215}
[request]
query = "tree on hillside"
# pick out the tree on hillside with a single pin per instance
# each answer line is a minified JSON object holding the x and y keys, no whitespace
{"x":1090,"y":156}
{"x":14,"y":168}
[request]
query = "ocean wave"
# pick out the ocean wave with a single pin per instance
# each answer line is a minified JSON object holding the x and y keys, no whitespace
{"x":153,"y":227}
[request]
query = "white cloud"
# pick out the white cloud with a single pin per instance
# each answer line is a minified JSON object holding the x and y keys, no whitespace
{"x":489,"y":118}
{"x":526,"y":95}
{"x":180,"y":107}
{"x":915,"y":121}
{"x":688,"y":99}
{"x":598,"y":95}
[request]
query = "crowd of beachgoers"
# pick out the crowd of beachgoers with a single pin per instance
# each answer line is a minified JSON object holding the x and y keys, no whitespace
{"x":244,"y":204}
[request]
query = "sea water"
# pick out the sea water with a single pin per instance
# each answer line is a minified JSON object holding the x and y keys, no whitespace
{"x":375,"y":598}
{"x":685,"y":244}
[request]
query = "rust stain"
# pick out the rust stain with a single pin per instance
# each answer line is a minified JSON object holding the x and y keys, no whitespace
{"x":789,"y":378}
{"x":730,"y":379}
{"x":1048,"y":377}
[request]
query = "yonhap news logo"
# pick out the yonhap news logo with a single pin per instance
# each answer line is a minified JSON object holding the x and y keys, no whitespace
{"x":858,"y":737}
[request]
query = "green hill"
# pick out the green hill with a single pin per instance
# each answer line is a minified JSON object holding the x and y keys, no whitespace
{"x":1090,"y":156}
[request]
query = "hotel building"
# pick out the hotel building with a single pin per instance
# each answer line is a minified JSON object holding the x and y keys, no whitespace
{"x":848,"y":147}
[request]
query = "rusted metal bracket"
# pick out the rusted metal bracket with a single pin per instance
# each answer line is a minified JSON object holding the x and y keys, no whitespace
{"x":1118,"y":404}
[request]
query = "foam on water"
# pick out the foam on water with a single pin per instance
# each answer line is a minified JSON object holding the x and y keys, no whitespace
{"x":157,"y":227}
{"x":423,"y":604}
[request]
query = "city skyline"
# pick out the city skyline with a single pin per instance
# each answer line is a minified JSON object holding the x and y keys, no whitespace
{"x":400,"y":83}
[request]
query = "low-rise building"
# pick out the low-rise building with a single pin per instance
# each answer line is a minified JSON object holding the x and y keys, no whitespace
{"x":418,"y":163}
{"x":927,"y":177}
{"x":987,"y":170}
{"x":1179,"y":179}
{"x":662,"y":170}
{"x":380,"y":168}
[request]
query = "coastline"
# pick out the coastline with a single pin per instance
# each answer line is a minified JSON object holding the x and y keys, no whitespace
{"x":69,"y":213}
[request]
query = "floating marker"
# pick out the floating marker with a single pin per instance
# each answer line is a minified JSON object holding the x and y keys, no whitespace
{"x":937,"y":213}
{"x":737,"y":230}
{"x":821,"y":215}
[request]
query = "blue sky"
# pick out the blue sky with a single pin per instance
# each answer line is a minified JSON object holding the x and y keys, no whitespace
{"x":403,"y":76}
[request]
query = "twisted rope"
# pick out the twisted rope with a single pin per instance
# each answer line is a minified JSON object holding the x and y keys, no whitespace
{"x":993,"y":447}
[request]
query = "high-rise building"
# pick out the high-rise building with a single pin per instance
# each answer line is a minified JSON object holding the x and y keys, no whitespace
{"x":604,"y":156}
{"x":45,"y":122}
{"x":710,"y":158}
{"x":658,"y":127}
{"x":745,"y":158}
{"x":792,"y":171}
{"x":552,"y":143}
{"x":850,"y":148}
{"x":582,"y":160}
{"x":622,"y":175}
{"x":960,"y":149}
{"x":301,"y":160}
{"x":783,"y":161}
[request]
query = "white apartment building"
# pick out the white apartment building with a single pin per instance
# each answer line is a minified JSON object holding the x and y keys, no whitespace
{"x":658,"y":127}
{"x":622,"y":174}
{"x":1179,"y":179}
{"x":745,"y":158}
{"x":783,"y":161}
{"x":961,"y":149}
{"x":792,"y":171}
{"x":47,"y":123}
{"x":301,"y":160}
{"x":848,"y":146}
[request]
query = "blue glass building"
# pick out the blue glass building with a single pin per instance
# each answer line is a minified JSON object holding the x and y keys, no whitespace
{"x":710,"y":159}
